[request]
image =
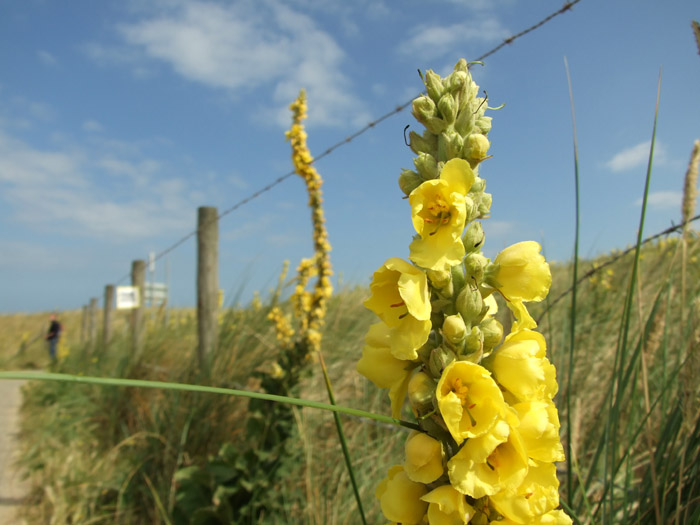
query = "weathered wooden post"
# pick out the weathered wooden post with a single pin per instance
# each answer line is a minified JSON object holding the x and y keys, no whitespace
{"x":207,"y":282}
{"x":108,"y":315}
{"x":138,"y":279}
{"x":92,"y":322}
{"x":84,"y":326}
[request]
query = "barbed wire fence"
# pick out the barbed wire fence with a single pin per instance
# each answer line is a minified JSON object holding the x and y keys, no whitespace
{"x":347,"y":140}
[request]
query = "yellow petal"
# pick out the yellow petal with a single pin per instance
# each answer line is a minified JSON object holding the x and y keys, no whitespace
{"x":523,"y":272}
{"x":448,"y":507}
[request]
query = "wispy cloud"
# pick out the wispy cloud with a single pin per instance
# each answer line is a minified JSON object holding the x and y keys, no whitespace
{"x":46,"y":58}
{"x":247,"y":46}
{"x":430,"y":42}
{"x":636,"y":156}
{"x":92,"y":126}
{"x":664,"y":200}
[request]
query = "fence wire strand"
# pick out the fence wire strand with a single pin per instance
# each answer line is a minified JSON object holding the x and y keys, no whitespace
{"x":370,"y":125}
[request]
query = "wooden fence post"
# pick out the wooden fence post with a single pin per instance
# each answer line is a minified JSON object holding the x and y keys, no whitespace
{"x":84,"y":326}
{"x":138,"y":279}
{"x":207,"y":282}
{"x":92,"y":322}
{"x":108,"y":315}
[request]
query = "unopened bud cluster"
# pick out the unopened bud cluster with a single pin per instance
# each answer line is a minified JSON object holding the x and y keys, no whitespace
{"x":489,"y":429}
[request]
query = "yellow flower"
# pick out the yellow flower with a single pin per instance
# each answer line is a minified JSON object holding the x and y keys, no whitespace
{"x":489,"y":463}
{"x":537,"y":496}
{"x":521,"y":367}
{"x":400,"y":297}
{"x":439,"y":211}
{"x":469,"y":400}
{"x":400,"y":498}
{"x":523,"y":319}
{"x":539,"y":428}
{"x":382,"y":368}
{"x":423,"y":458}
{"x":448,"y":507}
{"x":522,"y":273}
{"x":553,"y":517}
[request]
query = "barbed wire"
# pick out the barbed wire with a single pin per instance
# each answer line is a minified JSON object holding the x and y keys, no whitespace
{"x":613,"y":260}
{"x":370,"y":125}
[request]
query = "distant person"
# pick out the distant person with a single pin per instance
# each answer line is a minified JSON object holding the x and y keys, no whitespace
{"x":53,"y":336}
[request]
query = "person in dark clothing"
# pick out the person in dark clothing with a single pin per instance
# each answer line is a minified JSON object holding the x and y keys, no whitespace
{"x":53,"y":336}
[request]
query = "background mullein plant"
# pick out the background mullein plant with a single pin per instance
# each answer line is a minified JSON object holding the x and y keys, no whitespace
{"x":489,"y":429}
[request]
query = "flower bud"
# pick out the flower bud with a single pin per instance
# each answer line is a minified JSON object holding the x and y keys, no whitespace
{"x":433,"y":85}
{"x":448,"y":108}
{"x":458,"y":278}
{"x":473,"y":237}
{"x":479,"y":185}
{"x":469,"y":303}
{"x":484,"y":204}
{"x":474,"y":264}
{"x":426,"y":165}
{"x":473,"y":345}
{"x":409,"y":180}
{"x":423,"y":109}
{"x":493,"y":333}
{"x":435,"y":125}
{"x":427,"y":348}
{"x":439,"y":359}
{"x":453,"y":329}
{"x":424,"y":457}
{"x":421,"y":391}
{"x":475,"y":147}
{"x":465,"y":122}
{"x":484,"y":124}
{"x":422,"y":144}
{"x":457,"y":81}
{"x":454,"y":144}
{"x":472,"y":206}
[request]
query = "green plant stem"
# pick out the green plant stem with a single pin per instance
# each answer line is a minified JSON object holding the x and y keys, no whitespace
{"x":572,"y":326}
{"x":141,"y":383}
{"x":341,"y":436}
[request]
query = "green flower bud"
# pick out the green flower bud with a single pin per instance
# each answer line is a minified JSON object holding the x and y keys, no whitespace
{"x":425,"y":144}
{"x":433,"y":85}
{"x":474,"y":264}
{"x":478,"y":186}
{"x":457,"y":81}
{"x":453,"y":329}
{"x":439,"y":359}
{"x":469,"y":303}
{"x":421,"y":391}
{"x":427,"y":166}
{"x":472,"y":207}
{"x":484,"y":124}
{"x":473,"y":237}
{"x":427,"y":348}
{"x":434,"y":125}
{"x":465,"y":121}
{"x":458,"y":278}
{"x":448,"y":108}
{"x":473,"y":345}
{"x":462,"y":65}
{"x":484,"y":204}
{"x":475,"y":148}
{"x":423,"y":109}
{"x":493,"y":333}
{"x":454,"y":144}
{"x":409,"y":180}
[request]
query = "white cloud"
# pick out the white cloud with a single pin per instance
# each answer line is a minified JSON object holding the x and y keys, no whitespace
{"x":46,"y":58}
{"x":636,"y":156}
{"x":92,"y":126}
{"x":430,"y":42}
{"x":247,"y":46}
{"x":663,"y":200}
{"x":66,"y":192}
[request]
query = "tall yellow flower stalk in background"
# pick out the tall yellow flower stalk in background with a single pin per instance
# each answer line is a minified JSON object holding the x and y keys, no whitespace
{"x":490,"y":430}
{"x":311,"y":308}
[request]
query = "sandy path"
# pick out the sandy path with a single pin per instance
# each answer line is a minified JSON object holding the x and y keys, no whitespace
{"x":12,"y":488}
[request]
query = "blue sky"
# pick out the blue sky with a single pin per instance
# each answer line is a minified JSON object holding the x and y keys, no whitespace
{"x":119,"y":118}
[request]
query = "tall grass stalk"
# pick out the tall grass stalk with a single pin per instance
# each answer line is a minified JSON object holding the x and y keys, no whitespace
{"x":572,"y":327}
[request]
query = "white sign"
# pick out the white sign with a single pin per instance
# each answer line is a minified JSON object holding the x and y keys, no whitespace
{"x":127,"y":297}
{"x":156,"y":293}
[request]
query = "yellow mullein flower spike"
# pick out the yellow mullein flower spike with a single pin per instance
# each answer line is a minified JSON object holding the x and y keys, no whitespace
{"x":469,"y":400}
{"x":439,"y":213}
{"x":400,"y":298}
{"x":400,"y":498}
{"x":423,"y":458}
{"x":383,"y":369}
{"x":490,"y":463}
{"x":448,"y":507}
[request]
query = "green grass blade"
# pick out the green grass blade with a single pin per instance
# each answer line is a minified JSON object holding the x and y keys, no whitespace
{"x":141,"y":383}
